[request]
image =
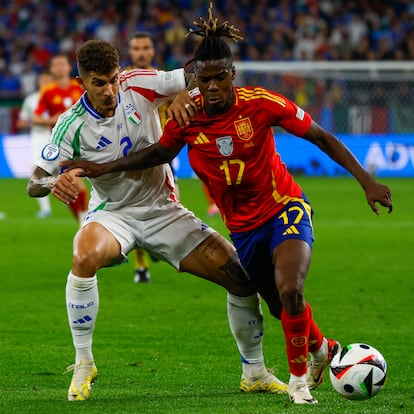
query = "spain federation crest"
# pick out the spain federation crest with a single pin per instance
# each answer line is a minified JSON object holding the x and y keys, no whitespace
{"x":244,"y":128}
{"x":225,"y":145}
{"x":132,"y":114}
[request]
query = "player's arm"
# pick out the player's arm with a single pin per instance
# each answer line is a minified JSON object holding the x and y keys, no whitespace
{"x":63,"y":186}
{"x":40,"y":183}
{"x":334,"y":148}
{"x":151,"y":156}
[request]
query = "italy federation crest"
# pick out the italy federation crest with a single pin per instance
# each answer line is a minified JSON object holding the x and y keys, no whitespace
{"x":132,"y":114}
{"x":225,"y":145}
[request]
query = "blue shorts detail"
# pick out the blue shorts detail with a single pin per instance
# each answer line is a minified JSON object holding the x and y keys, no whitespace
{"x":255,"y":247}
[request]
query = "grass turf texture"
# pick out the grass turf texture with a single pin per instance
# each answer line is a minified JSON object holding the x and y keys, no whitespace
{"x":166,"y":347}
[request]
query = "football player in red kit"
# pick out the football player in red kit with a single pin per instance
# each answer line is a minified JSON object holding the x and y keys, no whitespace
{"x":54,"y":99}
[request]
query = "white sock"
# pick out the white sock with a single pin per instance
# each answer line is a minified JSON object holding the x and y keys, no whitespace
{"x":82,"y":302}
{"x":297,"y":378}
{"x":246,"y":324}
{"x":44,"y":204}
{"x":321,"y":353}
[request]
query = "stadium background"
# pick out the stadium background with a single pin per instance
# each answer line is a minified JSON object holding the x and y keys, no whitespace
{"x":165,"y":347}
{"x":348,"y":63}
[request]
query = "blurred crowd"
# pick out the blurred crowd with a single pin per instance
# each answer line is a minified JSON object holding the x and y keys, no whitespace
{"x":31,"y":31}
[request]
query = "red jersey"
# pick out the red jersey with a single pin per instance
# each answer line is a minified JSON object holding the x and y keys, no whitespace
{"x":234,"y":154}
{"x":55,"y":100}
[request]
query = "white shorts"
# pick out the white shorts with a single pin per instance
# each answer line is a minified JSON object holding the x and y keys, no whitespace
{"x":171,"y":235}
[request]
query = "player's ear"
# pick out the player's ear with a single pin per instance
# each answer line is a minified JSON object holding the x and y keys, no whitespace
{"x":233,"y":73}
{"x":80,"y":81}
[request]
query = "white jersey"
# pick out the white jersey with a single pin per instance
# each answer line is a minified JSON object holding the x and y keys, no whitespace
{"x":81,"y":132}
{"x":39,"y":135}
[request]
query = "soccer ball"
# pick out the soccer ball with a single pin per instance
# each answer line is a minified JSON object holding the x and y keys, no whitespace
{"x":358,"y":372}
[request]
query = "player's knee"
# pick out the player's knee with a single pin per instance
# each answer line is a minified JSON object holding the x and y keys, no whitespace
{"x":87,"y":262}
{"x":237,"y":279}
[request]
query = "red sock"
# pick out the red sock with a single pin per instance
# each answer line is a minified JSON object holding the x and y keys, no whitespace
{"x":80,"y":205}
{"x":315,"y":334}
{"x":296,"y":330}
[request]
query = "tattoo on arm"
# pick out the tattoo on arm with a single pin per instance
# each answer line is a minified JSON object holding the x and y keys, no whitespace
{"x":40,"y":183}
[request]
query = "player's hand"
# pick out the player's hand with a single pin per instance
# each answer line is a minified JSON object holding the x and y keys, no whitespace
{"x":84,"y":168}
{"x":65,"y":188}
{"x":378,"y":193}
{"x":182,"y":109}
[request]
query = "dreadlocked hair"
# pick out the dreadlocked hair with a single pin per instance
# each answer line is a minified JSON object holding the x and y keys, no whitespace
{"x":212,"y":47}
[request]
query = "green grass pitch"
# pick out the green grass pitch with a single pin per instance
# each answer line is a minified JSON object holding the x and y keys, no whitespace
{"x":166,"y":347}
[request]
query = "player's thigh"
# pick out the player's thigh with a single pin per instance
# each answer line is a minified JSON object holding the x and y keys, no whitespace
{"x":94,"y":247}
{"x":291,"y":243}
{"x":291,"y":260}
{"x":216,"y":260}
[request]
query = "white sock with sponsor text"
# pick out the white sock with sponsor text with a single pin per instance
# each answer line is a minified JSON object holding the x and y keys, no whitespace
{"x":82,"y":303}
{"x":246,"y":324}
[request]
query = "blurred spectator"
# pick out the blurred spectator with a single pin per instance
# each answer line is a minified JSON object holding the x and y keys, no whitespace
{"x":9,"y":85}
{"x":32,"y":30}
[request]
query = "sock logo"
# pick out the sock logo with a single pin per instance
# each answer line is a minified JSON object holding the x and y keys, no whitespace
{"x":80,"y":305}
{"x":84,"y":319}
{"x":299,"y":360}
{"x":259,"y":335}
{"x":298,"y":341}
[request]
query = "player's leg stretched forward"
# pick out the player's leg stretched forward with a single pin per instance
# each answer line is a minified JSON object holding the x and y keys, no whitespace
{"x":216,"y":260}
{"x":302,"y":335}
{"x":93,"y":248}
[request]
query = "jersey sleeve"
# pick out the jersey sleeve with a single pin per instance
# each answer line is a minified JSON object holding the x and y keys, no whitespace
{"x":294,"y":119}
{"x":155,"y":85}
{"x":61,"y":147}
{"x":173,"y":136}
{"x":171,"y":82}
{"x":41,"y":106}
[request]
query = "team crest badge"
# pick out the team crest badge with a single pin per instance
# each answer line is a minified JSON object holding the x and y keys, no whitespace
{"x":50,"y":152}
{"x":132,"y":114}
{"x":225,"y":145}
{"x":244,"y":128}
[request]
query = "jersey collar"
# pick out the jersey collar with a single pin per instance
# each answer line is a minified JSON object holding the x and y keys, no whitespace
{"x":90,"y":109}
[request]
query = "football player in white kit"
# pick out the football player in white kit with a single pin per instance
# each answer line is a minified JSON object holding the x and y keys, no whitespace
{"x":39,"y":135}
{"x":116,"y":115}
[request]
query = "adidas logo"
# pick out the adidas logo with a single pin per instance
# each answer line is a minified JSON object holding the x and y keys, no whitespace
{"x":201,"y":139}
{"x":259,"y":335}
{"x":103,"y":142}
{"x":291,"y":230}
{"x":299,"y":360}
{"x":85,"y":319}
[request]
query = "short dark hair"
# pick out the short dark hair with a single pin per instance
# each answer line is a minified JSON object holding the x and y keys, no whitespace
{"x":97,"y":56}
{"x":141,"y":34}
{"x":56,"y":56}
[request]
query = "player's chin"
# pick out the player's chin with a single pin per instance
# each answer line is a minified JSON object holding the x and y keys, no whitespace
{"x":215,"y":106}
